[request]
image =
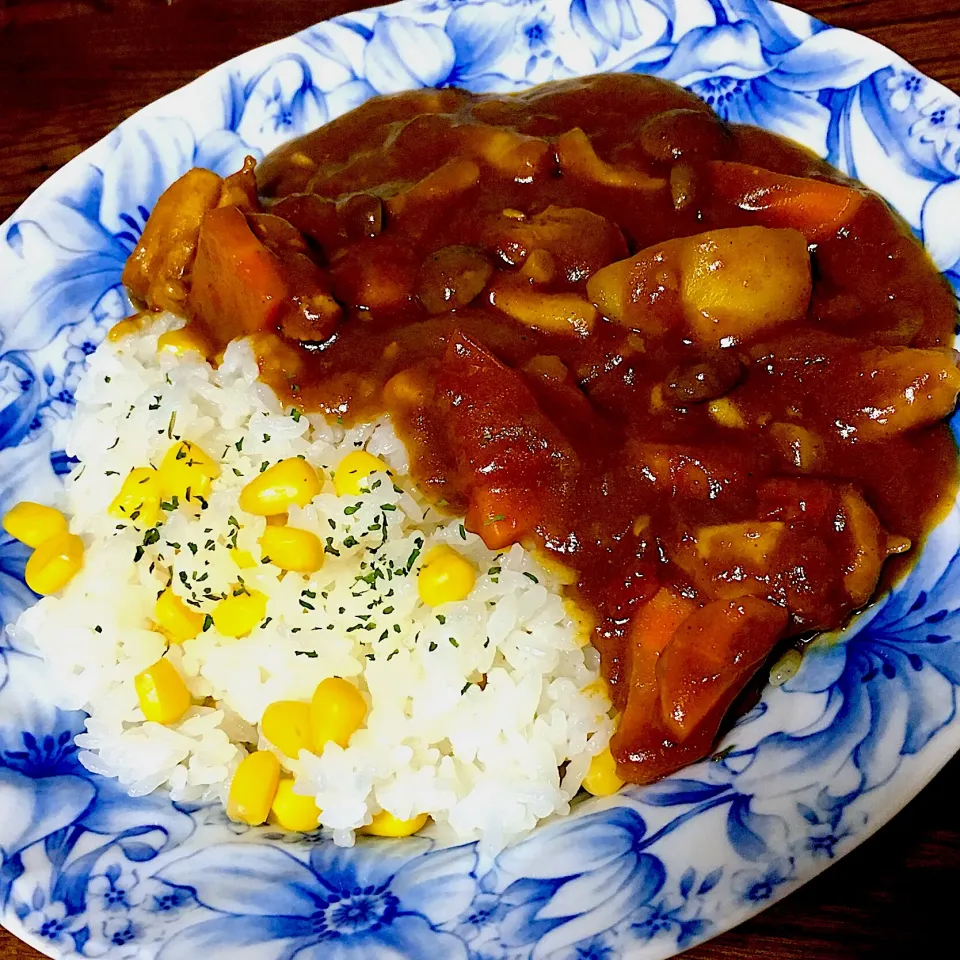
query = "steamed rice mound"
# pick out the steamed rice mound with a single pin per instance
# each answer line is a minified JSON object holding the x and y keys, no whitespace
{"x":475,"y":707}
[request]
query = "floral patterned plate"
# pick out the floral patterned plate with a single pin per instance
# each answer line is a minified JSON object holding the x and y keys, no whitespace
{"x":86,"y":871}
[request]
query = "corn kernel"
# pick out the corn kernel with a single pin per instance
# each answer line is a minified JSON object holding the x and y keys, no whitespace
{"x":293,"y":811}
{"x":290,"y":548}
{"x":139,"y":498}
{"x":178,"y":621}
{"x":337,"y":711}
{"x":291,"y":481}
{"x":254,"y":788}
{"x":387,"y":825}
{"x":238,"y":614}
{"x":601,"y":779}
{"x":32,"y":523}
{"x":164,"y":697}
{"x":286,"y":724}
{"x":180,"y":342}
{"x":445,"y":577}
{"x":243,"y":558}
{"x":353,"y":469}
{"x":54,"y":563}
{"x":187,"y":471}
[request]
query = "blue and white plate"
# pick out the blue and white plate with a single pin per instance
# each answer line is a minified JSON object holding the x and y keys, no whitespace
{"x":819,"y":765}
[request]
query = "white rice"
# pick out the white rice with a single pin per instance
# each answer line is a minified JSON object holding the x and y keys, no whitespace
{"x":484,"y":761}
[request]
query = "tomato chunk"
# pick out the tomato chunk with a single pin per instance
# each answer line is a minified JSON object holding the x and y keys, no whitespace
{"x":506,"y":449}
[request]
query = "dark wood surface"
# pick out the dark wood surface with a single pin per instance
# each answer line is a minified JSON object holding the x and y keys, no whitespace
{"x":71,"y":70}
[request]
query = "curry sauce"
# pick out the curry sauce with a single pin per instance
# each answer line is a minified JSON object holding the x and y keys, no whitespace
{"x":698,"y":368}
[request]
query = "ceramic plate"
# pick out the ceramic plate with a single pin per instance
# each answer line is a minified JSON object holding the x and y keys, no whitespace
{"x":86,"y":871}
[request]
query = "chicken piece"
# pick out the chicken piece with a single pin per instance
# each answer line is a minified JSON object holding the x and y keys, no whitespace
{"x":580,"y":241}
{"x":158,"y":270}
{"x":728,"y":285}
{"x":578,"y":159}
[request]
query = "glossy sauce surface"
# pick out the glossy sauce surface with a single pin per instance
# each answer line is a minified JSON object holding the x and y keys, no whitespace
{"x":706,"y":494}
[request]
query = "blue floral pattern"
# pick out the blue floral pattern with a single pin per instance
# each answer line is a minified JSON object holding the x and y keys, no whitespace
{"x":86,"y":871}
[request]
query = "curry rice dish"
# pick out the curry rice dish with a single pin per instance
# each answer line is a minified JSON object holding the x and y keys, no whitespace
{"x":474,"y":449}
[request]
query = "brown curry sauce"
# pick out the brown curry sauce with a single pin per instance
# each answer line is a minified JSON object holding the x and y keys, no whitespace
{"x":430,"y":255}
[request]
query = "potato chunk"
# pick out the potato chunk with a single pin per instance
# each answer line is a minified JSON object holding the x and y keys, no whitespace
{"x":168,"y":245}
{"x":738,"y":282}
{"x":728,"y":285}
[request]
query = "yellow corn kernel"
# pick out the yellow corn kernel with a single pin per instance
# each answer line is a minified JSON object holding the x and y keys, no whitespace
{"x":238,"y":614}
{"x":597,"y":688}
{"x":179,"y":342}
{"x":387,"y":825}
{"x":601,"y":779}
{"x":726,"y":413}
{"x":187,"y":471}
{"x":243,"y":559}
{"x":177,"y":620}
{"x":54,"y":563}
{"x":164,"y":697}
{"x":32,"y":523}
{"x":124,"y":327}
{"x":353,"y":469}
{"x":293,"y":811}
{"x":337,"y":711}
{"x":290,"y":548}
{"x":291,"y":481}
{"x":139,"y":498}
{"x":253,"y":788}
{"x":445,"y":577}
{"x":286,"y":724}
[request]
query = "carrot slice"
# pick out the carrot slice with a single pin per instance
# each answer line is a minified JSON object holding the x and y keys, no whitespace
{"x":816,"y":208}
{"x":656,"y":621}
{"x":710,"y":657}
{"x":236,"y":279}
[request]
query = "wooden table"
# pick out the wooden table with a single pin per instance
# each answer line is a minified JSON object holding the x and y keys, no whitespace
{"x":71,"y":70}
